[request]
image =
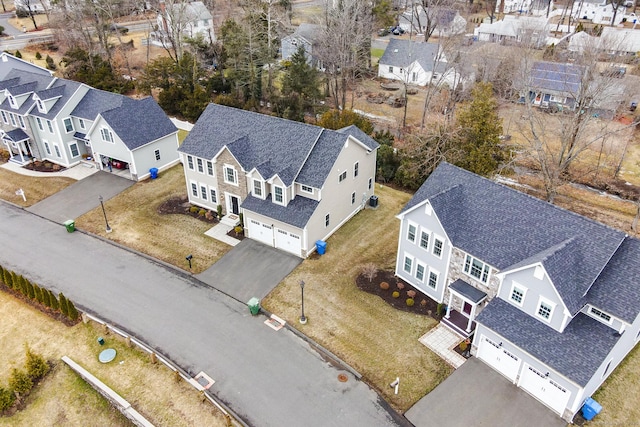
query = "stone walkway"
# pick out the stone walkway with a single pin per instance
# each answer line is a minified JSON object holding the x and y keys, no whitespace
{"x":441,"y":340}
{"x":219,"y":232}
{"x":77,"y":172}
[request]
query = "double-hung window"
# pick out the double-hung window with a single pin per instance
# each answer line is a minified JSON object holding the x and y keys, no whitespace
{"x":420,"y":272}
{"x":230,"y":175}
{"x":68,"y":125}
{"x":190,"y":162}
{"x":433,"y":279}
{"x":106,"y":134}
{"x":209,"y":167}
{"x":424,"y":240}
{"x":355,"y":170}
{"x":278,"y":194}
{"x":517,"y":294}
{"x":50,"y":126}
{"x":408,"y":264}
{"x":342,"y":176}
{"x":411,"y":233}
{"x":257,"y":188}
{"x":437,"y":247}
{"x":545,"y":309}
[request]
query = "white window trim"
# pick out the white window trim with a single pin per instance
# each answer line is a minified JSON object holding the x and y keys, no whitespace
{"x":108,"y":133}
{"x":200,"y":165}
{"x":327,"y":220}
{"x":598,"y":317}
{"x":235,"y":174}
{"x":273,"y":198}
{"x":356,"y":169}
{"x":429,"y":239}
{"x":415,"y":232}
{"x":433,"y":246}
{"x":204,"y":191}
{"x":39,"y":122}
{"x":550,"y":304}
{"x":71,"y":151}
{"x":404,"y":264}
{"x":484,"y":266}
{"x":191,"y":184}
{"x":190,"y":164}
{"x":524,"y":293}
{"x":425,"y":272}
{"x":65,"y":125}
{"x":213,"y":171}
{"x":353,"y":198}
{"x":47,"y":147}
{"x":342,"y":176}
{"x":50,"y":127}
{"x":81,"y":122}
{"x":215,"y":190}
{"x":21,"y":121}
{"x":56,"y":149}
{"x":12,"y":101}
{"x":5,"y":119}
{"x":428,"y":277}
{"x":306,"y":189}
{"x":12,"y":117}
{"x":41,"y":107}
{"x":261,"y":186}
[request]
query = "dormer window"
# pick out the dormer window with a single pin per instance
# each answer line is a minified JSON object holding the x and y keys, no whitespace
{"x":40,"y":106}
{"x":278,"y":195}
{"x":257,"y":188}
{"x":545,"y":309}
{"x":12,"y":102}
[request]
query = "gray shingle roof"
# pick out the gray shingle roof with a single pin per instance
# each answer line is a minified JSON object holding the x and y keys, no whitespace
{"x":309,"y":32}
{"x":465,"y":289}
{"x":402,"y":53}
{"x":61,"y":88}
{"x":17,"y":135}
{"x":515,"y":227}
{"x":617,"y":290}
{"x":138,"y":122}
{"x":96,"y":101}
{"x":355,"y":132}
{"x":296,"y":213}
{"x":51,"y":93}
{"x":321,"y":160}
{"x":575,"y":353}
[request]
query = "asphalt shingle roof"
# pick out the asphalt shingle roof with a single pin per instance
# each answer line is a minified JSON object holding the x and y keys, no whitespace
{"x":96,"y":101}
{"x":61,"y":88}
{"x":297,"y":213}
{"x":17,"y":135}
{"x":576,"y":353}
{"x":465,"y":289}
{"x":511,"y":227}
{"x":402,"y":53}
{"x":138,"y":122}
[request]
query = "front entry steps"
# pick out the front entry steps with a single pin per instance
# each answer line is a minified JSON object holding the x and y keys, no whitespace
{"x":231,"y":220}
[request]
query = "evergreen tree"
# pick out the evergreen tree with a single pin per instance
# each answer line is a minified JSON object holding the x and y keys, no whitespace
{"x":37,"y":290}
{"x":64,"y":306}
{"x":9,"y":278}
{"x":46,"y":297}
{"x":480,"y":128}
{"x":2,"y":274}
{"x":18,"y":54}
{"x":6,"y":398}
{"x":73,"y":312}
{"x":20,"y":382}
{"x":55,"y":304}
{"x":30,"y":289}
{"x":35,"y":364}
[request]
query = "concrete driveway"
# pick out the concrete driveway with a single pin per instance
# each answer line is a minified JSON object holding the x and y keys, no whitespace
{"x":80,"y":197}
{"x":250,"y":269}
{"x":476,"y":395}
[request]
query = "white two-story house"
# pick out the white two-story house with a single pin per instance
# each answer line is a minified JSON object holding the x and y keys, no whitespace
{"x":551,"y":298}
{"x":293,"y":183}
{"x":43,"y":117}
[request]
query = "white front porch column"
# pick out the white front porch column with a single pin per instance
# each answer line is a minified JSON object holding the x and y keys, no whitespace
{"x":449,"y":305}
{"x":472,"y":316}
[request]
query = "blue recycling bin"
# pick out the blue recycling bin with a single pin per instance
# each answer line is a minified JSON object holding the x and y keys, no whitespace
{"x":321,"y":247}
{"x":154,"y":173}
{"x":590,"y":409}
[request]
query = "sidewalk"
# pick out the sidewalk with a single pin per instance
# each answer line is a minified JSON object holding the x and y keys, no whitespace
{"x":77,"y":172}
{"x":441,"y":340}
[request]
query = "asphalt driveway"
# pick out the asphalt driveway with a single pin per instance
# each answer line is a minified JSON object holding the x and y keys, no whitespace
{"x":80,"y":197}
{"x":476,"y":395}
{"x":250,"y":269}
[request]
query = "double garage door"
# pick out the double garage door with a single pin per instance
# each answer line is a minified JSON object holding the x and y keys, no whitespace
{"x":532,"y":381}
{"x":274,"y":236}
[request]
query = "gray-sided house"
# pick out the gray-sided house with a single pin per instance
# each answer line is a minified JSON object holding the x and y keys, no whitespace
{"x":294,"y":183}
{"x":448,"y":22}
{"x":43,"y":117}
{"x":416,"y":63}
{"x":306,"y":36}
{"x":551,"y":298}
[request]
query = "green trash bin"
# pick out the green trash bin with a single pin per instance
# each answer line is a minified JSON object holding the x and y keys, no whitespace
{"x":254,"y":305}
{"x":70,"y":225}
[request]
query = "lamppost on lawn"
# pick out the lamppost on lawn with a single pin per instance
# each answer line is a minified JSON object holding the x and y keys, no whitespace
{"x":104,"y":213}
{"x":303,"y":320}
{"x":189,"y":258}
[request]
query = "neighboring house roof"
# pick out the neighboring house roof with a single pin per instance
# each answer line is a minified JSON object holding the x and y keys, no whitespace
{"x":564,"y":352}
{"x":621,"y":39}
{"x":138,"y":122}
{"x":309,"y":32}
{"x":556,"y":77}
{"x":512,"y":26}
{"x":442,"y":17}
{"x":297,"y":213}
{"x":194,"y":11}
{"x":96,"y":101}
{"x":518,"y":230}
{"x":402,"y":53}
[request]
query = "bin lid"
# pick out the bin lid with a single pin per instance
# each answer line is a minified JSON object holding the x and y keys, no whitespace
{"x":69,"y":222}
{"x":253,"y":301}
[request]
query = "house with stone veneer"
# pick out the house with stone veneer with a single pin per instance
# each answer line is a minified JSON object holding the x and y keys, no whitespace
{"x":46,"y":118}
{"x":551,"y":298}
{"x":294,"y":183}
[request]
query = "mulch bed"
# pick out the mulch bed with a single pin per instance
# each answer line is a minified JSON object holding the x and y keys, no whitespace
{"x":180,"y":205}
{"x":239,"y":236}
{"x":423,"y":304}
{"x":44,"y":167}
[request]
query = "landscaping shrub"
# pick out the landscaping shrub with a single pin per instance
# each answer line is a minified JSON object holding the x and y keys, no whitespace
{"x":202,"y":212}
{"x":237,"y":229}
{"x":423,"y":302}
{"x":411,"y":293}
{"x":396,"y":294}
{"x":6,"y":398}
{"x":369,"y":271}
{"x":20,"y":382}
{"x":18,"y":54}
{"x":219,"y":210}
{"x":400,"y":285}
{"x":64,"y":306}
{"x":241,"y":215}
{"x":46,"y":297}
{"x":209,"y":215}
{"x":37,"y":290}
{"x":2,"y":274}
{"x":73,"y":312}
{"x":440,"y":309}
{"x":55,"y":304}
{"x":30,"y":290}
{"x":38,"y":55}
{"x":35,"y":365}
{"x":410,"y":302}
{"x":51,"y":65}
{"x":463,"y":345}
{"x":384,"y":285}
{"x":194,"y":209}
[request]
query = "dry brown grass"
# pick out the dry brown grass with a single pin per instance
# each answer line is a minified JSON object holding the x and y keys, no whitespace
{"x":379,"y":341}
{"x":35,"y":188}
{"x":64,"y":399}
{"x":137,"y":224}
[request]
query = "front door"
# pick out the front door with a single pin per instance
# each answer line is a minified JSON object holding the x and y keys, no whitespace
{"x":466,"y":308}
{"x":234,"y":205}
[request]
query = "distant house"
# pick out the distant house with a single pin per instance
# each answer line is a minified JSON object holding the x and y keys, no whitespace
{"x":550,"y":298}
{"x":598,"y":12}
{"x":293,"y":183}
{"x":39,"y":6}
{"x":190,"y":20}
{"x":306,"y":35}
{"x":416,"y":63}
{"x":43,"y":117}
{"x":448,"y":22}
{"x":524,"y":7}
{"x":513,"y":30}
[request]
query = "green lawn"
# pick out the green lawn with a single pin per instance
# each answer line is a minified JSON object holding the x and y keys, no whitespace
{"x":377,"y":53}
{"x":376,"y":339}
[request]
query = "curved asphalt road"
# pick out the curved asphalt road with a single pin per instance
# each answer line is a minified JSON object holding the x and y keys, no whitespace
{"x":269,"y":378}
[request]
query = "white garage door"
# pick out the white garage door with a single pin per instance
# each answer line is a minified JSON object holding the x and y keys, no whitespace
{"x":545,"y":390}
{"x":288,"y":241}
{"x":261,"y":232}
{"x":498,"y":358}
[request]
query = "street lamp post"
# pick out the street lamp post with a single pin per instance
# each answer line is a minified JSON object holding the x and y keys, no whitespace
{"x":303,"y":319}
{"x":104,"y":213}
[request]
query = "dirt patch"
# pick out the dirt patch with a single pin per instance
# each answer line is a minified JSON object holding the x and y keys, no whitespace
{"x":422,"y":304}
{"x":181,"y":205}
